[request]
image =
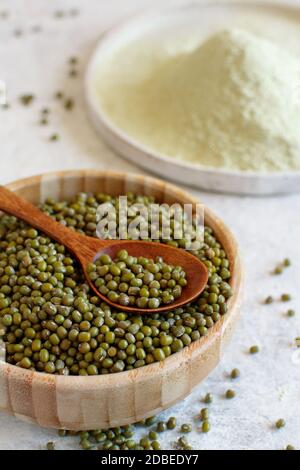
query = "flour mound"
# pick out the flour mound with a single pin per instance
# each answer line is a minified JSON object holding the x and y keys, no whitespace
{"x":234,"y":103}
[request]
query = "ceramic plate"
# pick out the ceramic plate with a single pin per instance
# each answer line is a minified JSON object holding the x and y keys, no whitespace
{"x":173,"y":25}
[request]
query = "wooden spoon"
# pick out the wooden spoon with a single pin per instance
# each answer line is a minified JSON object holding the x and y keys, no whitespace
{"x":87,"y":249}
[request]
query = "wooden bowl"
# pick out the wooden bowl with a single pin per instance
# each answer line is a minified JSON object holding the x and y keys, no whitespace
{"x":83,"y":403}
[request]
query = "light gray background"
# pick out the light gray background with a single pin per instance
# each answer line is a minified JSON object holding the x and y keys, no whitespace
{"x":267,"y":229}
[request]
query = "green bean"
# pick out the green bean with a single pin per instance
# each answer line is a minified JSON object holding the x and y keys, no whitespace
{"x":208,"y":398}
{"x":186,"y":428}
{"x":230,"y":394}
{"x":205,"y":426}
{"x":280,"y":423}
{"x":235,"y":373}
{"x":172,"y":422}
{"x":254,"y":350}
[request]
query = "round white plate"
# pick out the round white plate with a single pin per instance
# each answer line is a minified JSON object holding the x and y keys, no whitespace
{"x":281,"y":23}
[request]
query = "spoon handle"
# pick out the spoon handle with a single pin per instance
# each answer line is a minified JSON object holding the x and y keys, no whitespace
{"x":15,"y":205}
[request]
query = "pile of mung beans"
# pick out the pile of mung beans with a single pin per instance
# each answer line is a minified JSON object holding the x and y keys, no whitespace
{"x":55,"y":324}
{"x":138,"y":282}
{"x":125,"y":437}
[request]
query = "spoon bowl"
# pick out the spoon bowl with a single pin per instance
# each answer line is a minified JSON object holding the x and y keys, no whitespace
{"x":196,"y":271}
{"x":88,"y":249}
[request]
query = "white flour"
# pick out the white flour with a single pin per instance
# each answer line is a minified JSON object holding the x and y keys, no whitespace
{"x":234,"y":102}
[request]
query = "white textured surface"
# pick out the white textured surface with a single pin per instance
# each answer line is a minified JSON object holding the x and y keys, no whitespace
{"x":268,"y":230}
